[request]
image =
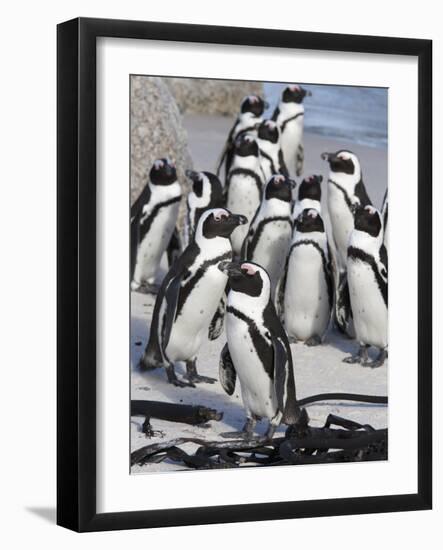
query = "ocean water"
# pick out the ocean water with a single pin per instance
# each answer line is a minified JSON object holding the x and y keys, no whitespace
{"x":357,"y":114}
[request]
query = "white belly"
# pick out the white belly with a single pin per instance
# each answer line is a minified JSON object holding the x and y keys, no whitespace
{"x":290,"y":141}
{"x":190,"y":329}
{"x":257,"y":388}
{"x":307,"y":309}
{"x":342,"y":222}
{"x":243,"y":198}
{"x":272,"y":248}
{"x":368,"y":308}
{"x":154,"y":244}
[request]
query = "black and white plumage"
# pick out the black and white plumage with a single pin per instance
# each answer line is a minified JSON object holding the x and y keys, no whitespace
{"x":257,"y":351}
{"x":289,"y":115}
{"x":247,"y":122}
{"x":306,"y":291}
{"x":189,"y":297}
{"x":270,"y":232}
{"x":206,"y":193}
{"x":367,"y":267}
{"x":244,"y":185}
{"x":269,"y":143}
{"x":384,"y":213}
{"x":308,"y":195}
{"x":153,"y":224}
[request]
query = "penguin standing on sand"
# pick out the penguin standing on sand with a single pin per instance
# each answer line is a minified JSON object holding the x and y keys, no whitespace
{"x":308,"y":195}
{"x":257,"y":351}
{"x":153,"y":219}
{"x":247,"y":122}
{"x":244,"y":185}
{"x":189,"y":297}
{"x":270,"y":233}
{"x":307,"y":287}
{"x":289,"y":115}
{"x":268,"y":139}
{"x":384,"y":213}
{"x":368,"y":285}
{"x":207,"y":192}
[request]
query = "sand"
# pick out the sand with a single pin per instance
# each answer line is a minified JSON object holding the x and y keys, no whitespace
{"x":317,"y":370}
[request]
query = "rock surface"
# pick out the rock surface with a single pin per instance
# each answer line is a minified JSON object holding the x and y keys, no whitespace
{"x":156,"y":131}
{"x":214,"y":97}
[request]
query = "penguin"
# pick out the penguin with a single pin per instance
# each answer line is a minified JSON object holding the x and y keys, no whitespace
{"x":257,"y":351}
{"x":244,"y":186}
{"x":189,"y":297}
{"x":153,"y":224}
{"x":207,"y":192}
{"x":346,"y":191}
{"x":307,"y":286}
{"x":289,"y":115}
{"x":270,"y":232}
{"x":308,"y":195}
{"x":384,"y":213}
{"x":247,"y":122}
{"x":268,"y":139}
{"x":367,"y":267}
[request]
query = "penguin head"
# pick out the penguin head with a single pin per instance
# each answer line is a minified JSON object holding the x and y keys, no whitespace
{"x":368,"y":220}
{"x":218,"y":222}
{"x":309,"y":221}
{"x":246,"y":146}
{"x":163,"y":172}
{"x":247,"y":278}
{"x":310,"y":188}
{"x":343,"y":161}
{"x":269,"y":131}
{"x":202,"y":181}
{"x":279,"y":187}
{"x":253,"y":104}
{"x":294,"y":94}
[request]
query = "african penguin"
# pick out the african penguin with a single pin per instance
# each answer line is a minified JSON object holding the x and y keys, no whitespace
{"x":368,"y":285}
{"x":307,"y":287}
{"x":247,"y":122}
{"x":207,"y":192}
{"x":308,"y":195}
{"x":269,"y":143}
{"x":189,"y":297}
{"x":244,"y":186}
{"x":269,"y":237}
{"x":289,"y":116}
{"x":384,"y":213}
{"x":153,"y":219}
{"x":257,"y":351}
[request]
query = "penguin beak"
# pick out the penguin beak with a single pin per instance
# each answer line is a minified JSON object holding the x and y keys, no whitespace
{"x":319,"y":179}
{"x":308,"y":93}
{"x":266,"y":104}
{"x":328,"y":156}
{"x":192,"y":175}
{"x":238,"y":219}
{"x":230,"y":268}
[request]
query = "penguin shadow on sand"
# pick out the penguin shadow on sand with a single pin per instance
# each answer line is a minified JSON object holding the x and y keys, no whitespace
{"x":155,"y":386}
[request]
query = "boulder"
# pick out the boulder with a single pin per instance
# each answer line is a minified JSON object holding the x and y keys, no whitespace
{"x":214,"y":97}
{"x":156,"y":131}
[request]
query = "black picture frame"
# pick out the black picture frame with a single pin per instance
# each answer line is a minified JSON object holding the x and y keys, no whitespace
{"x":76,"y":279}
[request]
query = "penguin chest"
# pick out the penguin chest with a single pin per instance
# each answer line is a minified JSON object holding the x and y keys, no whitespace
{"x":342,"y":220}
{"x":154,"y":243}
{"x":307,"y":308}
{"x":369,"y":310}
{"x":257,"y":388}
{"x":190,"y":328}
{"x":272,"y":248}
{"x":243,"y":198}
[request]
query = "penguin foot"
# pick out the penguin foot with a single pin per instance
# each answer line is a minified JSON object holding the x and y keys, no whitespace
{"x":198,"y":378}
{"x":313,"y":341}
{"x":377,"y":362}
{"x":149,"y":431}
{"x":352,"y":359}
{"x":360,"y":357}
{"x":147,"y":288}
{"x":172,"y":379}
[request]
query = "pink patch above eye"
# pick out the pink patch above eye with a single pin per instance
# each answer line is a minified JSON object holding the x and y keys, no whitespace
{"x":220,"y":214}
{"x":370,"y":209}
{"x":249,"y":268}
{"x":313,"y":213}
{"x":294,"y":88}
{"x":253,"y":99}
{"x":279,"y":179}
{"x":158,"y":164}
{"x":270,"y":124}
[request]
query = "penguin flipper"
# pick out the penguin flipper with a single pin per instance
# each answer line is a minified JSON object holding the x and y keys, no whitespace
{"x":280,"y":371}
{"x":135,"y":239}
{"x":216,"y":326}
{"x":283,"y":169}
{"x":299,"y":160}
{"x":174,"y":247}
{"x":226,"y":371}
{"x":362,"y":195}
{"x":280,"y":293}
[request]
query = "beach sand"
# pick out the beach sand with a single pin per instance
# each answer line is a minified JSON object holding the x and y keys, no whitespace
{"x":317,"y":370}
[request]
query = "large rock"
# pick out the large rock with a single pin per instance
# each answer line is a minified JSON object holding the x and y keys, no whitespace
{"x":156,"y":131}
{"x":214,"y":97}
